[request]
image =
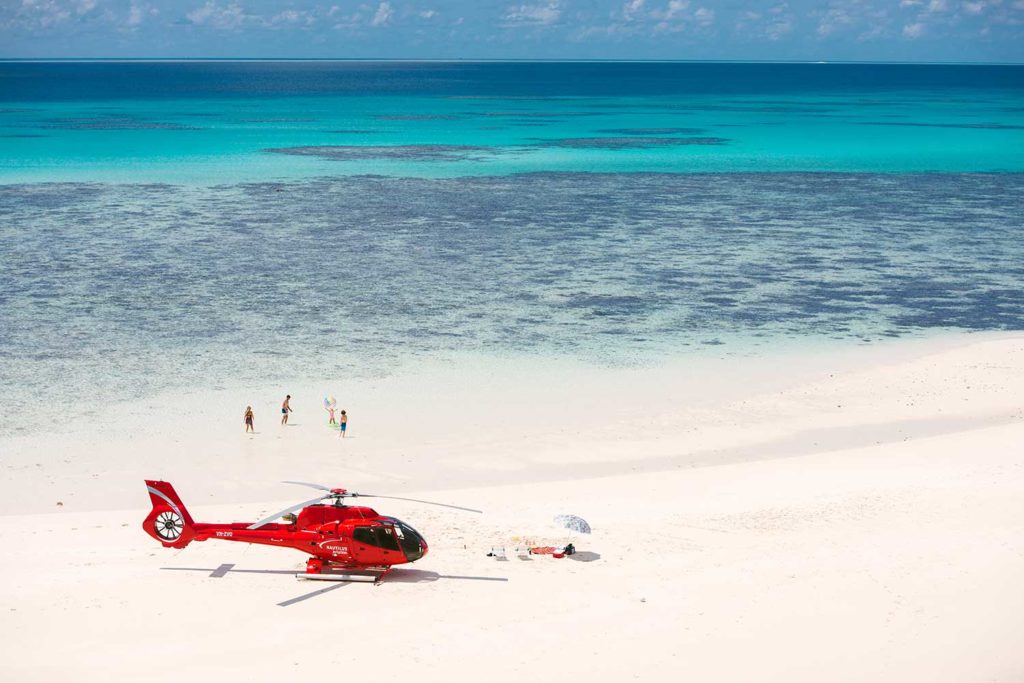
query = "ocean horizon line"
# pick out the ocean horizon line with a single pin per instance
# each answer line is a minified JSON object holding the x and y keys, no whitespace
{"x":483,"y":60}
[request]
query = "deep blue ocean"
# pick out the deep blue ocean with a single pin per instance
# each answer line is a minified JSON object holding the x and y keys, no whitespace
{"x":199,"y":224}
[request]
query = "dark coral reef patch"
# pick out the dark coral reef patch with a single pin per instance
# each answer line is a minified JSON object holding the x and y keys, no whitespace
{"x":396,"y":152}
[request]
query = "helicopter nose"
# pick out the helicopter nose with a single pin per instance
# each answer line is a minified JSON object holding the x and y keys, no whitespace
{"x":413,"y":544}
{"x":416,"y":549}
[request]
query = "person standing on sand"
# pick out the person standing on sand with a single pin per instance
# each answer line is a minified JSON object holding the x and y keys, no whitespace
{"x":248,"y":419}
{"x":342,"y":424}
{"x":330,"y":411}
{"x":285,"y":409}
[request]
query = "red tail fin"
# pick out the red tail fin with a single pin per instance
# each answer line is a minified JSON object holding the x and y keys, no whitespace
{"x":168,"y":521}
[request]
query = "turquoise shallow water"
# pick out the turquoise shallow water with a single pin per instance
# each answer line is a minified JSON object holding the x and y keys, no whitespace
{"x":219,"y":123}
{"x":212,"y":141}
{"x":173,"y":226}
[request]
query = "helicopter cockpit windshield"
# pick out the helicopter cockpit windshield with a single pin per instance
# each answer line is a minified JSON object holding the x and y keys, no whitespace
{"x":409,"y":539}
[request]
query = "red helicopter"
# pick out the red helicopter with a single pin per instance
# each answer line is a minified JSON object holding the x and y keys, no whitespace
{"x":338,"y":537}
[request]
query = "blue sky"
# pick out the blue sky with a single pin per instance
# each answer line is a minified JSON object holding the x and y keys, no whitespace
{"x":867,"y":30}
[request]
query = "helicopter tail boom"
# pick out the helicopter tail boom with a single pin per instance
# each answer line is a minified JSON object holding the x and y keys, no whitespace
{"x":169,"y":521}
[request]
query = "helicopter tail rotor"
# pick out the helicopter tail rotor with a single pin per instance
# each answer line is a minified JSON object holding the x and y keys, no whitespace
{"x":169,"y":521}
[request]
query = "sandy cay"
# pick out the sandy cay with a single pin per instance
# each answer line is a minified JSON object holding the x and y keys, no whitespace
{"x":838,"y":515}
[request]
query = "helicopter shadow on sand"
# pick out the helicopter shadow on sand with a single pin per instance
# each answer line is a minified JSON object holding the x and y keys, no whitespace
{"x":394,"y":576}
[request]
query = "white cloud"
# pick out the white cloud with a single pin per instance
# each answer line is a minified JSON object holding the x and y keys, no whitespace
{"x":428,"y":14}
{"x":675,"y":7}
{"x":833,"y":20}
{"x":290,"y":17}
{"x":672,"y":11}
{"x":773,"y":24}
{"x":83,"y":6}
{"x":876,"y":31}
{"x":632,"y":9}
{"x":201,"y":14}
{"x":350,"y":22}
{"x":913,"y":31}
{"x":909,"y":3}
{"x":974,"y":7}
{"x":937,"y":6}
{"x":383,"y":15}
{"x":671,"y":18}
{"x":211,"y":14}
{"x":704,"y":16}
{"x":779,"y":29}
{"x":865,"y":20}
{"x":878,"y":24}
{"x":135,"y":16}
{"x":536,"y":15}
{"x":781,"y":25}
{"x":45,"y":13}
{"x":584,"y":33}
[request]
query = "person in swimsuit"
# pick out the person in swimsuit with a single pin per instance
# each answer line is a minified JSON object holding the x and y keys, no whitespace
{"x":285,"y":409}
{"x":248,"y":420}
{"x":342,"y":424}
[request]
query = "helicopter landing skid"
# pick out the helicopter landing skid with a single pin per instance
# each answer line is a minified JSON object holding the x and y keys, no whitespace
{"x":362,"y":575}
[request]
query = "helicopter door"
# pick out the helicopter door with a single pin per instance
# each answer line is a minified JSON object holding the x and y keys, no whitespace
{"x":377,"y":544}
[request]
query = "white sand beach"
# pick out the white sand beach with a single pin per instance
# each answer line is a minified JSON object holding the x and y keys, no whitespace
{"x":844,"y":514}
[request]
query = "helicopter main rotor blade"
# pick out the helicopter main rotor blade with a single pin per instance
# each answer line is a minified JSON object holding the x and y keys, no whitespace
{"x":414,"y":500}
{"x":306,"y":483}
{"x":284,"y":512}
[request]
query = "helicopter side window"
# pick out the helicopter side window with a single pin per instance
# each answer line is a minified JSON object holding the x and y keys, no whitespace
{"x":386,"y":538}
{"x":379,"y":537}
{"x":364,"y":534}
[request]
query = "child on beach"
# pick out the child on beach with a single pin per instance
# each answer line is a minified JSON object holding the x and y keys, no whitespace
{"x":285,"y":409}
{"x":343,"y":424}
{"x":248,"y":418}
{"x":330,"y":411}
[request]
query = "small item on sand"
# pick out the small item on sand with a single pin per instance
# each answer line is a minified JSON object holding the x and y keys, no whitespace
{"x":577,"y":524}
{"x":555,"y":551}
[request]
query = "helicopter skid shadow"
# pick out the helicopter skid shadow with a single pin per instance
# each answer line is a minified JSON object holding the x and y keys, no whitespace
{"x":396,"y":576}
{"x":222,"y":571}
{"x":315,"y":593}
{"x":423,"y":576}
